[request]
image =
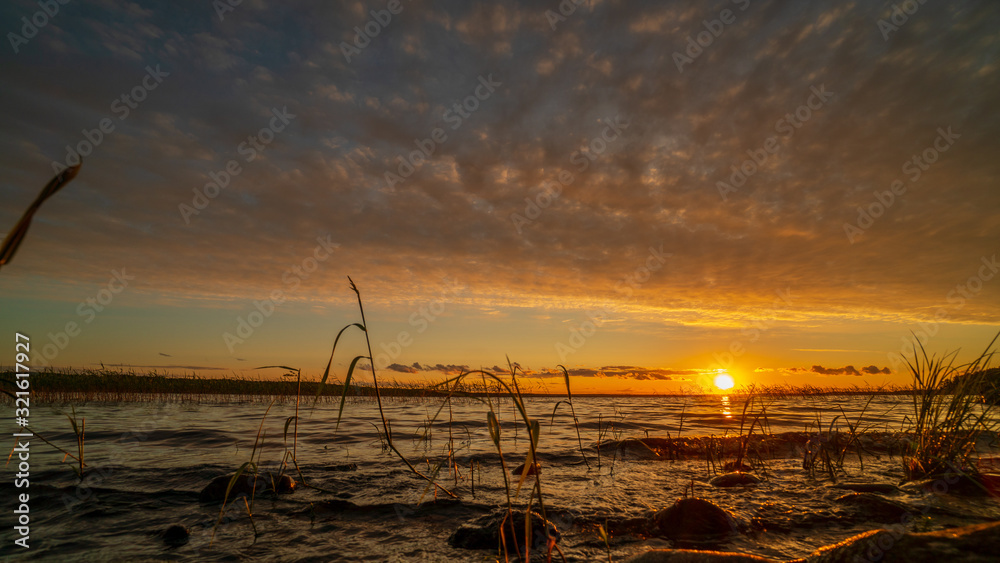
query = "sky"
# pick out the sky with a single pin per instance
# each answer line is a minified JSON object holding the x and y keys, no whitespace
{"x":643,"y":192}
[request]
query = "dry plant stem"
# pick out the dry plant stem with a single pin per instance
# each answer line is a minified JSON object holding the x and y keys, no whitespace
{"x":239,"y":472}
{"x":16,"y":235}
{"x":39,"y":436}
{"x":378,"y":398}
{"x":295,"y":438}
{"x":572,"y":410}
{"x":83,"y":433}
{"x":512,"y":391}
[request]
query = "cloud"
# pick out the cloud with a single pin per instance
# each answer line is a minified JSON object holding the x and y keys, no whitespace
{"x":619,"y":372}
{"x":167,"y":367}
{"x":450,"y":369}
{"x":850,"y":370}
{"x":627,"y":372}
{"x":654,"y":185}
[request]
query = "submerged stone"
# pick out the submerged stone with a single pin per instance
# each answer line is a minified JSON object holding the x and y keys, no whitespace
{"x":734,"y":479}
{"x":484,"y":532}
{"x":247,"y":484}
{"x":980,"y":542}
{"x":955,"y":484}
{"x":695,"y":519}
{"x":875,"y":507}
{"x":176,"y":535}
{"x":692,"y":556}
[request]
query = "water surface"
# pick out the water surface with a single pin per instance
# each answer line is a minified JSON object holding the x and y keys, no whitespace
{"x":148,"y":462}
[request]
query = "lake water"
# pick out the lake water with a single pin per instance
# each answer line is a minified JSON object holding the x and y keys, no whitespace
{"x":148,"y":462}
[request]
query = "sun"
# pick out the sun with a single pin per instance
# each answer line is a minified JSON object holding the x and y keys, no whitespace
{"x":724,"y":381}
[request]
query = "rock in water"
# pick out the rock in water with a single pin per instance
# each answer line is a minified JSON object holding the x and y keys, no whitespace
{"x":484,"y":532}
{"x":246,"y":485}
{"x":176,"y":535}
{"x":980,"y":542}
{"x":691,"y":556}
{"x":535,"y":469}
{"x":875,"y":507}
{"x":733,"y":479}
{"x":973,"y":485}
{"x":695,"y":519}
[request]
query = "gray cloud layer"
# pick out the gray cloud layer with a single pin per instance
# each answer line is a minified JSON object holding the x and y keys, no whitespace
{"x":655,"y":185}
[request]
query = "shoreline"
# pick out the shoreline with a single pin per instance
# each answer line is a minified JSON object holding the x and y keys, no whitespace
{"x":107,"y":385}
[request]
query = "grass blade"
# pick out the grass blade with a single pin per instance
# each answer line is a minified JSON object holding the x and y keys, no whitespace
{"x":16,"y":236}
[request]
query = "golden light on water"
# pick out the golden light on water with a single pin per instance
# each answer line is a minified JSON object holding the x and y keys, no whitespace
{"x":724,"y":381}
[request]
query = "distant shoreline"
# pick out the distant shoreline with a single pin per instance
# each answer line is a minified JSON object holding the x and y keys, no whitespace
{"x":105,"y":385}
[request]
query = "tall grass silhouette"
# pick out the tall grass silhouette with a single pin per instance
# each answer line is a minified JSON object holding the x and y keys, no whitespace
{"x":949,"y":411}
{"x":16,"y":236}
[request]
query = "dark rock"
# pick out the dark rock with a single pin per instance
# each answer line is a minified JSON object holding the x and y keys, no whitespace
{"x":695,"y":519}
{"x":484,"y":532}
{"x":980,"y":542}
{"x":955,"y":484}
{"x":176,"y":535}
{"x":734,"y":479}
{"x":345,"y":467}
{"x":691,"y":556}
{"x":875,"y":507}
{"x":247,"y":484}
{"x":867,"y":487}
{"x":535,"y":469}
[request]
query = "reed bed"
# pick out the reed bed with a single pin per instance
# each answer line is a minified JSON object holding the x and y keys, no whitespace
{"x":79,"y":386}
{"x":83,"y":385}
{"x":949,"y":412}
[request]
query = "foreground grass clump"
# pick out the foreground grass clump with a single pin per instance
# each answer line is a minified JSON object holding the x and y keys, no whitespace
{"x":949,"y":412}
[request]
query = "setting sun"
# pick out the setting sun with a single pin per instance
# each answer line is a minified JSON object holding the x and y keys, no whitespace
{"x":724,"y":381}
